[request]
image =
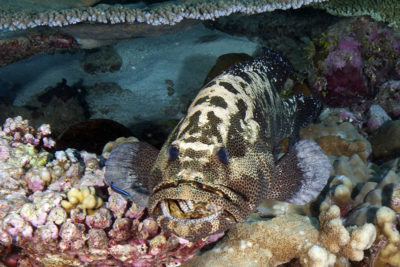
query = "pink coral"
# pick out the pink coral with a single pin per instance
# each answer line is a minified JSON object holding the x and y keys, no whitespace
{"x":343,"y":73}
{"x":32,"y":216}
{"x":20,"y":131}
{"x":351,"y":62}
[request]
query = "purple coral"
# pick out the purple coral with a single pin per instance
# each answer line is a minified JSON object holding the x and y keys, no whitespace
{"x":389,"y":98}
{"x":349,"y":66}
{"x":343,"y":73}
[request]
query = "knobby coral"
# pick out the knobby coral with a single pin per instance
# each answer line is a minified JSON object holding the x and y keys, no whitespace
{"x":276,"y":241}
{"x":56,"y":208}
{"x":354,"y":219}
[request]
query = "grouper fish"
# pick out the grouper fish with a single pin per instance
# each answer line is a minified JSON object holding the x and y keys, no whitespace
{"x":221,"y":160}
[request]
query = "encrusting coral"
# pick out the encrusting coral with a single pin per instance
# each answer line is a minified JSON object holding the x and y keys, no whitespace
{"x":58,"y":211}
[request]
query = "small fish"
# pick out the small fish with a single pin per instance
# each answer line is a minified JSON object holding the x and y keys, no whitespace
{"x":220,"y":162}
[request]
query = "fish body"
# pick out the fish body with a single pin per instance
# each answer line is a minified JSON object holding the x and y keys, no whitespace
{"x":219,"y":163}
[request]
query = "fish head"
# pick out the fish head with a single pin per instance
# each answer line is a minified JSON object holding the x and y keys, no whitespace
{"x":204,"y":189}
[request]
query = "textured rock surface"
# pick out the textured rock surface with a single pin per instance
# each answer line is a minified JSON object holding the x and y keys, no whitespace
{"x":386,"y":141}
{"x":104,"y":59}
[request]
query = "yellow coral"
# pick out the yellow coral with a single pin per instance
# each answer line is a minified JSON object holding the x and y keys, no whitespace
{"x":385,"y":220}
{"x":84,"y":198}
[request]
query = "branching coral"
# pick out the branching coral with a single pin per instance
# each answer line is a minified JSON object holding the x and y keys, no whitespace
{"x":264,"y":243}
{"x":353,"y":221}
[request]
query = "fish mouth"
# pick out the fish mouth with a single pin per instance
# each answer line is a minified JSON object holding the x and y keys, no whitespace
{"x":194,"y":200}
{"x":194,"y":210}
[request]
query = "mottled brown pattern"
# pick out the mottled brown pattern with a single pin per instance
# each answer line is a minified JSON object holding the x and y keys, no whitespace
{"x":241,"y":112}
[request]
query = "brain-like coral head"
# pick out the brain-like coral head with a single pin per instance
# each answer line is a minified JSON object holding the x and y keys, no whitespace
{"x":201,"y":189}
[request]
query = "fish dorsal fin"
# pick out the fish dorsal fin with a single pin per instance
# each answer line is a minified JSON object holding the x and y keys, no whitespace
{"x":300,"y":174}
{"x":270,"y":63}
{"x":128,"y":170}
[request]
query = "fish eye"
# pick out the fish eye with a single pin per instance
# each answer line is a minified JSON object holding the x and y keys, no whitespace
{"x":173,"y":153}
{"x":223,"y":155}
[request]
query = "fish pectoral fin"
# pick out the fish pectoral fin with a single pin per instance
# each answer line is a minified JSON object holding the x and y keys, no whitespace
{"x":128,"y":170}
{"x":308,"y":110}
{"x":301,"y":174}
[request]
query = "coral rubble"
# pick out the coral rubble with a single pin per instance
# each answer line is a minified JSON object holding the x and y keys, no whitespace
{"x":56,"y":209}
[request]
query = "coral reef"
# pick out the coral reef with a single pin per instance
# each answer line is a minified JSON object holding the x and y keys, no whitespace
{"x":21,"y":47}
{"x":172,"y":12}
{"x":383,"y":10}
{"x":83,"y":198}
{"x":49,"y":4}
{"x":388,"y":97}
{"x":336,"y":136}
{"x":164,"y":13}
{"x":351,"y":223}
{"x":377,"y":116}
{"x":60,"y":105}
{"x":352,"y":60}
{"x":56,"y":209}
{"x":260,"y":243}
